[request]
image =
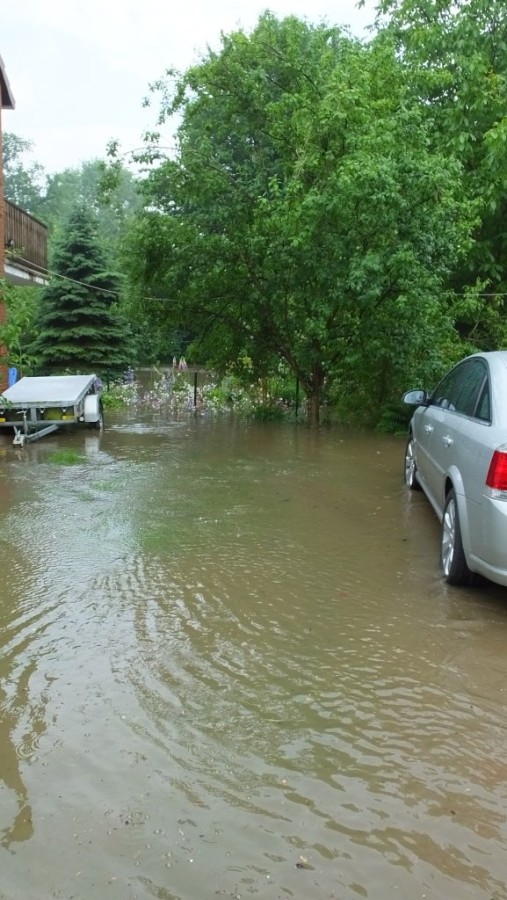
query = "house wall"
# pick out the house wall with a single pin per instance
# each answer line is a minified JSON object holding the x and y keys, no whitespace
{"x":6,"y":102}
{"x":2,"y":210}
{"x":3,"y":311}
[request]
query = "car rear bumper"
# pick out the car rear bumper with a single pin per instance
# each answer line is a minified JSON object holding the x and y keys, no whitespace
{"x":493,"y":561}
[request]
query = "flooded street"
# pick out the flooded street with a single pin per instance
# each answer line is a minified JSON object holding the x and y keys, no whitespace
{"x":229,"y":668}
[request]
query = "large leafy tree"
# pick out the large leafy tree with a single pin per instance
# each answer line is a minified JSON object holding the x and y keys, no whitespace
{"x":79,"y":327}
{"x":455,"y":55}
{"x":113,"y":208}
{"x":303,"y":216}
{"x":24,"y":180}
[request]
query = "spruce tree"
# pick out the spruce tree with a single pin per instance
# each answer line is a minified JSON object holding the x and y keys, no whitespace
{"x":80,"y":329}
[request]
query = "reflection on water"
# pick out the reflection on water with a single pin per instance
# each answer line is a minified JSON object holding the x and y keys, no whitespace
{"x":230,"y":668}
{"x":21,"y":827}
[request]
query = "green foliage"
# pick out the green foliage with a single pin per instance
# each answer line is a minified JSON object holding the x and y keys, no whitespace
{"x":268,"y":413}
{"x":118,"y":395}
{"x":304,"y":218}
{"x":24,"y":182}
{"x":394,"y":418}
{"x":84,"y":185}
{"x":17,"y":331}
{"x":80,"y":328}
{"x":53,"y":197}
{"x":226,"y":392}
{"x":66,"y":457}
{"x":455,"y":58}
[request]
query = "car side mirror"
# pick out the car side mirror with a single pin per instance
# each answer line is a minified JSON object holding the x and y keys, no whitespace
{"x":416,"y":398}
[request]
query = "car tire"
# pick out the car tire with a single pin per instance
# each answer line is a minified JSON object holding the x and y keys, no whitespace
{"x":452,"y":555}
{"x":411,"y":466}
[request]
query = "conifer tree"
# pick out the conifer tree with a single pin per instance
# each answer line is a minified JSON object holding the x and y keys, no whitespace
{"x":80,"y":328}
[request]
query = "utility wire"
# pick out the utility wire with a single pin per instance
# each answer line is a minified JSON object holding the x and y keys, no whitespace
{"x":90,"y":287}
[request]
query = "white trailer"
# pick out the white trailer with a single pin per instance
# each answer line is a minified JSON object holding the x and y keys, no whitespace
{"x":36,"y":406}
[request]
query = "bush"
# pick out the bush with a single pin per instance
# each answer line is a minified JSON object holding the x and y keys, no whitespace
{"x":119,"y":394}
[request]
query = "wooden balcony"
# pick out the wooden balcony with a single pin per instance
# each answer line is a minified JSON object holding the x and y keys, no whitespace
{"x":26,"y":246}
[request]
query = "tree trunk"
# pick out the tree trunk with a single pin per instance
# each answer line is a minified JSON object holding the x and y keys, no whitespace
{"x":313,"y":404}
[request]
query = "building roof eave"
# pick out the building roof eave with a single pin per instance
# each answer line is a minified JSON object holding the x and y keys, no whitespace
{"x":6,"y":95}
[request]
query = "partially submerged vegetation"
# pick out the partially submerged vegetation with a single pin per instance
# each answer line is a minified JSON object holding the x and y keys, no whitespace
{"x":202,"y":392}
{"x":66,"y":457}
{"x":275,"y":399}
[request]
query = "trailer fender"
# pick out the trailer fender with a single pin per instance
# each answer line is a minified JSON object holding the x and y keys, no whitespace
{"x":92,"y":409}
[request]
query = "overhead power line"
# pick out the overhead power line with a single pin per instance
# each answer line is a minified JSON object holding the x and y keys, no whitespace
{"x":91,"y":287}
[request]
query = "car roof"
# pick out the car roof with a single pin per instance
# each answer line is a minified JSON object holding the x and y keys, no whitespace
{"x":493,"y":356}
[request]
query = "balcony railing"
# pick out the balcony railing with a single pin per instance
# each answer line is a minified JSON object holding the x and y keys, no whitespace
{"x":26,"y":240}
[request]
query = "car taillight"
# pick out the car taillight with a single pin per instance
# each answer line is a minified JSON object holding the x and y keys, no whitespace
{"x":497,"y":473}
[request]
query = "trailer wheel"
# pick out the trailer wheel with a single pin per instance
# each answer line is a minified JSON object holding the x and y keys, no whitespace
{"x":98,"y":425}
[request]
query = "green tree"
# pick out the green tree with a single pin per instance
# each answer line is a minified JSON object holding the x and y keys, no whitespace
{"x":84,"y":185}
{"x":79,"y":327}
{"x":455,"y":55}
{"x":113,"y":209}
{"x":303,"y":216}
{"x":24,"y":182}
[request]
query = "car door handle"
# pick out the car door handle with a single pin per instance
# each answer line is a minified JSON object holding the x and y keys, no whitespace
{"x":447,"y":440}
{"x":428,"y":428}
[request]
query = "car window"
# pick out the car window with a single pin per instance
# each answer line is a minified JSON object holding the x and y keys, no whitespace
{"x":461,"y":388}
{"x":484,"y":405}
{"x":470,"y":385}
{"x":445,"y":393}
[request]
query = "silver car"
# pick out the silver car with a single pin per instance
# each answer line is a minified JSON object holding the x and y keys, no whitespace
{"x":457,"y":453}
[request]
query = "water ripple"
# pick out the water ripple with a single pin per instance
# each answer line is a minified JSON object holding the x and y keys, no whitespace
{"x":225,"y":670}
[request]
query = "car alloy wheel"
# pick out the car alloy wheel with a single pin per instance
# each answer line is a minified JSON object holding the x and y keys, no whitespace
{"x":454,"y":564}
{"x":411,"y":466}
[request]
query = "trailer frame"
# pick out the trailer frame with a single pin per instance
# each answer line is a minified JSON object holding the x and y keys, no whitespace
{"x":36,"y":406}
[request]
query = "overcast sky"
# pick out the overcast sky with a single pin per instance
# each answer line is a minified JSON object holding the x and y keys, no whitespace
{"x":79,"y":69}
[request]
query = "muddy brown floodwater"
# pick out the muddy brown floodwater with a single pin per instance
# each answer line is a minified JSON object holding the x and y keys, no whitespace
{"x":229,"y":668}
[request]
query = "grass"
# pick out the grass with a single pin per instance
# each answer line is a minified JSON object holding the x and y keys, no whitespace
{"x":66,"y":458}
